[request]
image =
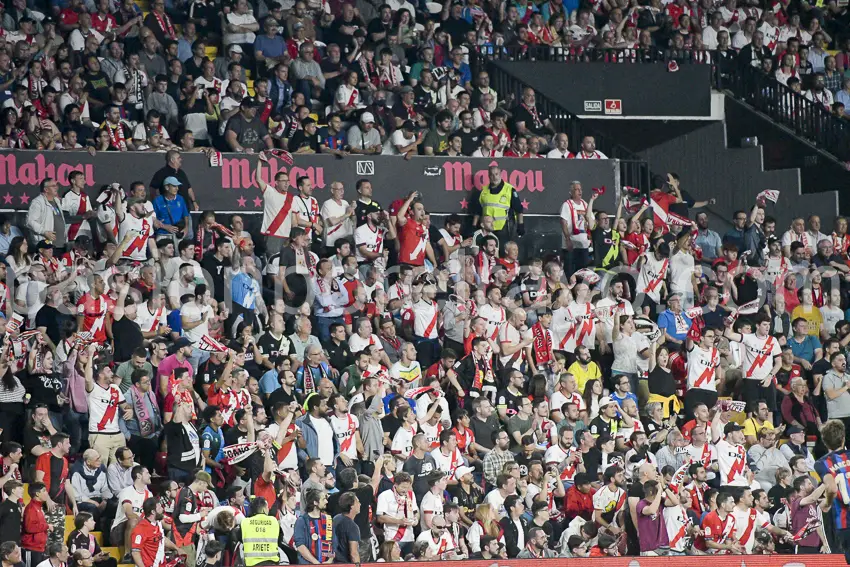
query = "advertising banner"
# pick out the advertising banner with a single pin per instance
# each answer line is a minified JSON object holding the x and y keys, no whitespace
{"x":619,"y":89}
{"x":448,"y":184}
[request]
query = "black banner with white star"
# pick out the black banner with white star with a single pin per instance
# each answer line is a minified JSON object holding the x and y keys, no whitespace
{"x":448,"y":185}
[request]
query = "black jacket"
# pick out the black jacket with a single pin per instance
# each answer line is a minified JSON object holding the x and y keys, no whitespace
{"x":512,"y":534}
{"x":750,"y":53}
{"x":10,"y":521}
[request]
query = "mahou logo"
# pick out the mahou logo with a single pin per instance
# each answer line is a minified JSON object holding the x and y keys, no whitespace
{"x":237,"y":173}
{"x":459,"y":176}
{"x":33,"y":172}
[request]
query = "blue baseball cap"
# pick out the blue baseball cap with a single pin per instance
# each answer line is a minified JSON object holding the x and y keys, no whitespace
{"x":172,"y":181}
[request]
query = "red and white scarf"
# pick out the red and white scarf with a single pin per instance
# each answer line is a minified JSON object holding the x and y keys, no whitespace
{"x":116,"y":137}
{"x":165,"y":24}
{"x":542,"y":344}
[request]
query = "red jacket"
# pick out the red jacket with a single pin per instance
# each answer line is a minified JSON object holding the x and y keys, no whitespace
{"x":579,"y":504}
{"x":34,"y":527}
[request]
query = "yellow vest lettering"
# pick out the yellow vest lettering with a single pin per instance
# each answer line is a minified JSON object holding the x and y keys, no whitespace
{"x":259,"y":539}
{"x":497,"y":205}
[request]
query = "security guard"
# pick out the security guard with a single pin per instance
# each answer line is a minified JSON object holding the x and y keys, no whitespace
{"x":499,"y":199}
{"x":260,"y":535}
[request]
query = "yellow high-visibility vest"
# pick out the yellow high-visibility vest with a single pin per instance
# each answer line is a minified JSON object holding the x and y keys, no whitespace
{"x":259,"y":539}
{"x":497,"y":205}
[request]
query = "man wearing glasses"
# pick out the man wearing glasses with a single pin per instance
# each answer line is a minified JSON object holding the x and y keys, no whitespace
{"x":307,"y":73}
{"x":537,"y":546}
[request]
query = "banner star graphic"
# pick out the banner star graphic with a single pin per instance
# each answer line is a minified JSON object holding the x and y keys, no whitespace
{"x":7,"y":198}
{"x":25,"y":199}
{"x":525,"y":204}
{"x":258,"y":202}
{"x":464,"y":204}
{"x":241,"y":201}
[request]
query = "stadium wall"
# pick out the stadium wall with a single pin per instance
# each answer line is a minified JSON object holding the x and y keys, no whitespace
{"x":619,"y":89}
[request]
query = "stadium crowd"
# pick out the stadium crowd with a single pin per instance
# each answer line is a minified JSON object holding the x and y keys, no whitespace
{"x":322,"y":76}
{"x":354,"y":383}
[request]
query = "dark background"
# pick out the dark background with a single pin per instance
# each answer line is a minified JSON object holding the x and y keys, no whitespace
{"x":646,"y":89}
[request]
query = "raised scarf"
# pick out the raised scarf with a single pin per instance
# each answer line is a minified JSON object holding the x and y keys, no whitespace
{"x":140,"y":408}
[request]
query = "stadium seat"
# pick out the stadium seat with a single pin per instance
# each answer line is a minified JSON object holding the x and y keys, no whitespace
{"x":212,"y":52}
{"x":69,"y":525}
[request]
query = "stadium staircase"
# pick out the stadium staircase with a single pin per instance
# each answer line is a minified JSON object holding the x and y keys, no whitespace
{"x":116,"y":552}
{"x":750,"y":149}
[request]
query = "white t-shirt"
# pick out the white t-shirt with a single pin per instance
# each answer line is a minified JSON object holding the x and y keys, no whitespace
{"x":141,"y":133}
{"x":607,"y":320}
{"x":681,"y":269}
{"x":574,"y":325}
{"x":497,"y":502}
{"x":77,"y":41}
{"x":448,"y":463}
{"x":324,"y":432}
{"x":702,"y":368}
{"x":192,"y":313}
{"x":332,"y":209}
{"x":606,"y":500}
{"x":403,"y":443}
{"x":496,"y":318}
{"x":409,"y":374}
{"x":733,"y":464}
{"x":431,"y":506}
{"x":372,"y":240}
{"x":651,"y":274}
{"x":357,"y":343}
{"x":132,"y":497}
{"x":573,"y":213}
{"x":172,"y":268}
{"x":31,"y":294}
{"x":453,"y":260}
{"x":306,"y":210}
{"x":676,"y":521}
{"x":758,"y":356}
{"x":147,"y":321}
{"x":746,"y":523}
{"x":103,"y":409}
{"x":273,"y":205}
{"x":344,"y":429}
{"x":138,"y":247}
{"x":176,"y":290}
{"x":240,"y":20}
{"x":831,"y":316}
{"x":445,"y":544}
{"x":290,"y":459}
{"x":396,"y":140}
{"x":389,"y":504}
{"x":510,"y":335}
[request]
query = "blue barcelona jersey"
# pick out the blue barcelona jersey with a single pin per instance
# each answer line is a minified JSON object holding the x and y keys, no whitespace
{"x":837,"y":464}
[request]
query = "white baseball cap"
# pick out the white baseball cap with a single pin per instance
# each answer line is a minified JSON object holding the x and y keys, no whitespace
{"x":462,"y":471}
